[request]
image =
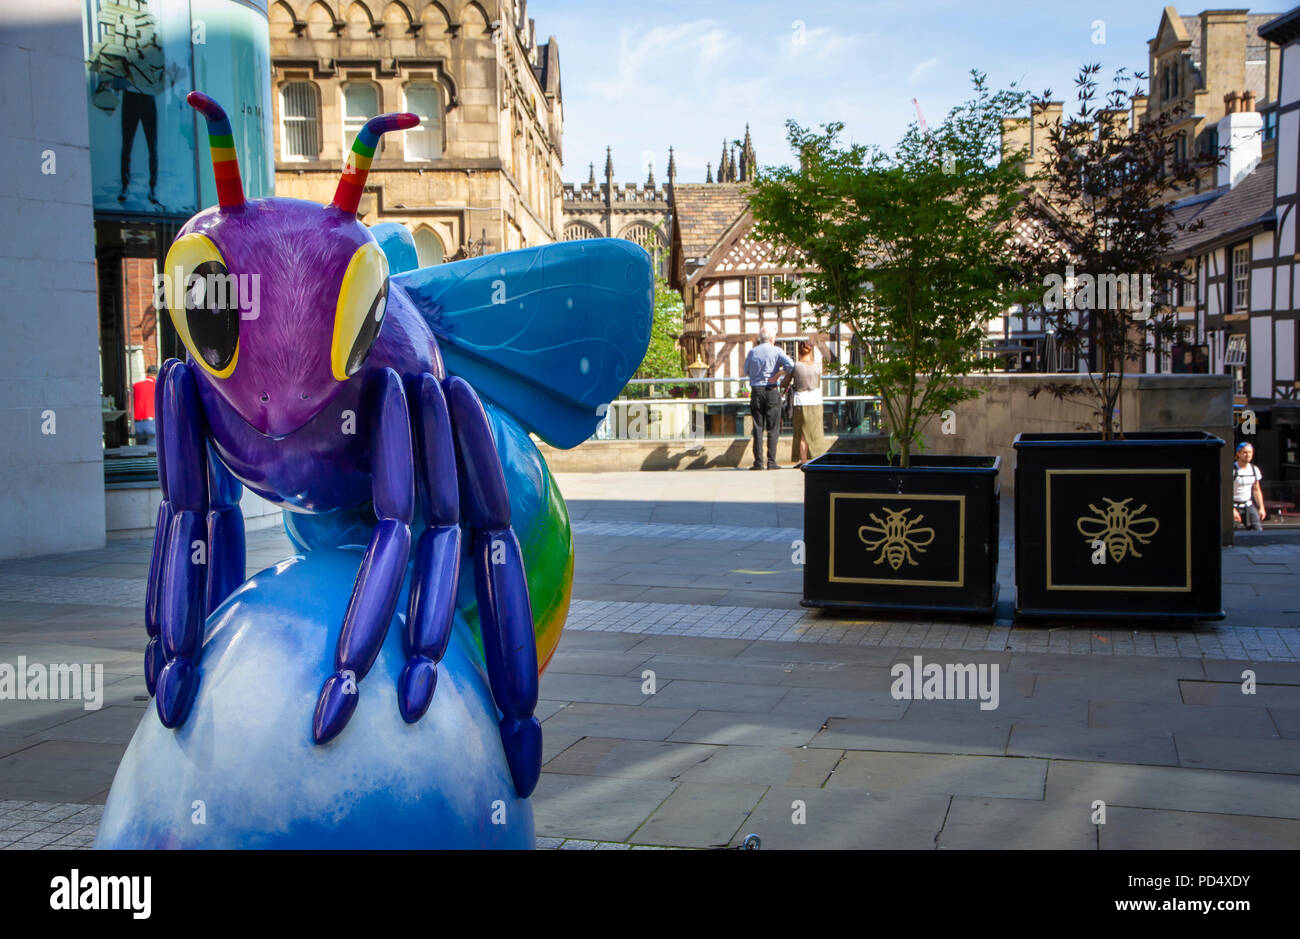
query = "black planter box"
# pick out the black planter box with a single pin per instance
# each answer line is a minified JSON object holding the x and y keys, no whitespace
{"x":877,"y":537}
{"x":1123,"y":528}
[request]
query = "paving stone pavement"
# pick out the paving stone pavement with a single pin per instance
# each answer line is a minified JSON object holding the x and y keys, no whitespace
{"x":692,"y":700}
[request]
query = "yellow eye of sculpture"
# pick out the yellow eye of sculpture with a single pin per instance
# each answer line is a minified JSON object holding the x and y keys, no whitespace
{"x":363,"y":296}
{"x":202,"y":299}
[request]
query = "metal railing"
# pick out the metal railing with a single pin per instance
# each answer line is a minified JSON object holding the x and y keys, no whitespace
{"x":694,"y":408}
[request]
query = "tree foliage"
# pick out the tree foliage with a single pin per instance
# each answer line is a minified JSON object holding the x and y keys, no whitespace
{"x":1106,"y":210}
{"x":663,"y":359}
{"x":910,"y":249}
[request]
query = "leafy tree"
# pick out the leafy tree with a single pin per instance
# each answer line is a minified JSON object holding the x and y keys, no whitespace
{"x":909,"y":249}
{"x":663,"y":359}
{"x":1105,"y":209}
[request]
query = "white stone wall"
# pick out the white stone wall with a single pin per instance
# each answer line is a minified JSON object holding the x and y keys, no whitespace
{"x":131,"y":511}
{"x":51,"y":484}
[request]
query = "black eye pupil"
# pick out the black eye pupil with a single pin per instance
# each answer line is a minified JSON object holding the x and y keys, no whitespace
{"x":369,"y":330}
{"x":212,"y":312}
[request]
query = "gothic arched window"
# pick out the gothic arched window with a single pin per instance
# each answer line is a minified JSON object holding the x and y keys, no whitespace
{"x":648,"y":237}
{"x":576,"y":231}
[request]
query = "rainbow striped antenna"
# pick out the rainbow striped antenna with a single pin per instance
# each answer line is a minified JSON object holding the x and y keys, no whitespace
{"x":348,"y":196}
{"x":221,"y":139}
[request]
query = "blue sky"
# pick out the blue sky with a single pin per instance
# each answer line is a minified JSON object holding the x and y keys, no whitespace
{"x":642,"y":76}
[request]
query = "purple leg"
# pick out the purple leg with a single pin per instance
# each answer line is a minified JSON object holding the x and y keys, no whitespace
{"x":379,"y":581}
{"x":154,"y":589}
{"x":226,"y":564}
{"x":505,"y":616}
{"x":153,"y":659}
{"x":185,"y":558}
{"x":437,"y":556}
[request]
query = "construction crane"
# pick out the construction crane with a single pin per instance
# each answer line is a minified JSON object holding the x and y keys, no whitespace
{"x":920,"y":118}
{"x":925,"y":129}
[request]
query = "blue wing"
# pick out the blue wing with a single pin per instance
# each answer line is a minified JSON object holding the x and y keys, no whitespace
{"x":551,"y":334}
{"x":398,"y":245}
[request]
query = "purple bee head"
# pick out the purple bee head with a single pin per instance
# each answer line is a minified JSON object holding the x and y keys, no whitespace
{"x":278,"y":300}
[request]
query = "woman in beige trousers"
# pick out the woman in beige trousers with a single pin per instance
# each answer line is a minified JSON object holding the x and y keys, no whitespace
{"x":808,"y":442}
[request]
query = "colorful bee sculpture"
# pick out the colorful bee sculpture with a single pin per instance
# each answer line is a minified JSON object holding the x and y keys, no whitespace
{"x":351,"y":397}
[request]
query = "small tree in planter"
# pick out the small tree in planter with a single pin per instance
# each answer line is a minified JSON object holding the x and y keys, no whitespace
{"x":1113,"y":524}
{"x":911,"y":250}
{"x":1108,"y":224}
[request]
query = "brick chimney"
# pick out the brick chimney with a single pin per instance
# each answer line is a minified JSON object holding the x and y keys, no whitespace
{"x":1241,"y":130}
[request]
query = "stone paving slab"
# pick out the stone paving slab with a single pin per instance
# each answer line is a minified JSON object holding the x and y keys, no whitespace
{"x":546,"y":708}
{"x":616,"y":720}
{"x":923,"y":735}
{"x":12,"y":743}
{"x":601,"y":808}
{"x":801,"y":767}
{"x":1250,"y":754}
{"x":30,"y":825}
{"x":1129,"y":829}
{"x":593,"y":662}
{"x":629,"y":759}
{"x":719,"y":616}
{"x":1016,"y":824}
{"x":875,"y":679}
{"x":596,"y":689}
{"x":1287,"y":721}
{"x":940,"y":774}
{"x":1176,"y":788}
{"x":60,"y":771}
{"x":730,"y":728}
{"x":556,"y":742}
{"x":1135,"y":667}
{"x":700,"y":815}
{"x":708,"y":668}
{"x":730,"y":696}
{"x":114,"y":725}
{"x":1066,"y":685}
{"x":1233,"y":694}
{"x":1265,"y":671}
{"x":845,"y":819}
{"x":1177,"y":718}
{"x":1119,"y":745}
{"x":826,"y":703}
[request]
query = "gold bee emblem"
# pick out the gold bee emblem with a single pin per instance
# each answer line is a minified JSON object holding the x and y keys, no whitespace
{"x":899,"y":537}
{"x":1118,"y":527}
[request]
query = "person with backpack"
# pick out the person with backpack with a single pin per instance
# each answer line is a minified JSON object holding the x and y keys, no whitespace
{"x":1247,"y":497}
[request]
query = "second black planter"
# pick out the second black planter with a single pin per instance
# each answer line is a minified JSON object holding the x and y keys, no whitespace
{"x":1121,"y":528}
{"x":878,"y":537}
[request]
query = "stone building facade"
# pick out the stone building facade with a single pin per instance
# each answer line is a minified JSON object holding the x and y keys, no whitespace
{"x":1210,"y":64}
{"x":1240,"y":291}
{"x":640,"y":213}
{"x":644,"y":213}
{"x":482,"y":171}
{"x":1225,"y":75}
{"x":729,"y":281}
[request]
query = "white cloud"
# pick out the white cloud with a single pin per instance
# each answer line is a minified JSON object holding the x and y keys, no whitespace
{"x":921,"y":69}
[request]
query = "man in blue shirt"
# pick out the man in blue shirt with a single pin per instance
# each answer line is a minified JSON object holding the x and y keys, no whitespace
{"x":766,"y":365}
